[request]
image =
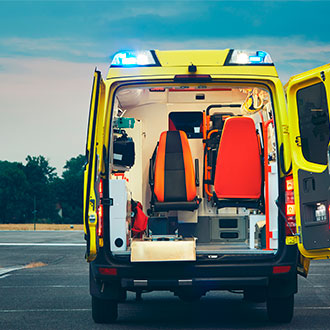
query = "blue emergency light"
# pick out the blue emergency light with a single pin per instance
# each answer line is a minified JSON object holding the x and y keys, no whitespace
{"x":247,"y":57}
{"x":131,"y":58}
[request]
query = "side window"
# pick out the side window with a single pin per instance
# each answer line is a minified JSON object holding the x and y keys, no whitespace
{"x":313,"y":123}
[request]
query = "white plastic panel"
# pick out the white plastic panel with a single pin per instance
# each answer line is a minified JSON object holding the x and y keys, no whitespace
{"x":273,"y":209}
{"x":134,"y":175}
{"x":119,"y":216}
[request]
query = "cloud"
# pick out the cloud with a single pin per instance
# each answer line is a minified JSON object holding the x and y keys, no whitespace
{"x":136,"y":8}
{"x":44,"y":108}
{"x":51,"y":48}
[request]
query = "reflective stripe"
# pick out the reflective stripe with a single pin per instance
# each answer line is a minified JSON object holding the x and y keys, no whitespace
{"x":140,"y":282}
{"x":185,"y":282}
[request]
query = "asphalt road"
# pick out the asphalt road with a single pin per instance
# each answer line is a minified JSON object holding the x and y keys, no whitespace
{"x":56,"y":296}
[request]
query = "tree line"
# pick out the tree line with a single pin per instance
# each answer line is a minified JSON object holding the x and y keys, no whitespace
{"x":34,"y":192}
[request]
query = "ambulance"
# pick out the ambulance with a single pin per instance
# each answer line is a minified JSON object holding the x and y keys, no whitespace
{"x":205,"y":173}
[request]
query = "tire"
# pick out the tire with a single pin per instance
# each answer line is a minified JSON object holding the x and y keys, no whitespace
{"x":280,"y":309}
{"x":256,"y":295}
{"x":104,"y":311}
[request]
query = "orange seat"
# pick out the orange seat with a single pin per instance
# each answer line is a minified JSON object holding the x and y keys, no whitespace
{"x":238,"y":173}
{"x":172,"y":175}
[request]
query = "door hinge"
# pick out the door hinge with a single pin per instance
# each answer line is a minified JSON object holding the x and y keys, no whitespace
{"x":107,"y":201}
{"x":291,"y":240}
{"x":322,"y":75}
{"x":298,"y":141}
{"x":92,"y":203}
{"x":299,"y":234}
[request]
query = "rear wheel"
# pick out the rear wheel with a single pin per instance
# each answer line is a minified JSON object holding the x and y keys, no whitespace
{"x":280,"y":309}
{"x":256,"y":295}
{"x":104,"y":311}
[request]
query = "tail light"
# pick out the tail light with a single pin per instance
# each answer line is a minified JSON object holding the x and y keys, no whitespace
{"x":281,"y":269}
{"x":100,"y":212}
{"x":100,"y":222}
{"x":290,"y":208}
{"x":101,"y":188}
{"x":108,"y":271}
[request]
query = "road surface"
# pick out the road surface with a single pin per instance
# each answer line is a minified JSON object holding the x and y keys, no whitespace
{"x":56,"y":295}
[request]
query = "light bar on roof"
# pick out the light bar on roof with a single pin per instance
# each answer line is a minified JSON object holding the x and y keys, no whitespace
{"x":248,"y":57}
{"x":134,"y":58}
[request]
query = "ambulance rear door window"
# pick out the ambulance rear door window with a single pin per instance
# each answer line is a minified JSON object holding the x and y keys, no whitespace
{"x":313,"y":123}
{"x":191,"y":122}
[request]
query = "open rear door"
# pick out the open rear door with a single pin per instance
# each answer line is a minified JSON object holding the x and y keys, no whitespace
{"x":308,"y":97}
{"x":94,"y":159}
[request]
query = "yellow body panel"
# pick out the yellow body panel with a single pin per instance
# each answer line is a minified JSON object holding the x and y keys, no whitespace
{"x":170,"y":72}
{"x":94,"y":165}
{"x":185,"y":58}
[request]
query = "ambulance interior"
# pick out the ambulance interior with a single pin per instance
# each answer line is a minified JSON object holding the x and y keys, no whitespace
{"x":200,"y":160}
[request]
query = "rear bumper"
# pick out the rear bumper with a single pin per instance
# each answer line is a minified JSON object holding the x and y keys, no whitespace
{"x":206,"y":276}
{"x":218,"y":283}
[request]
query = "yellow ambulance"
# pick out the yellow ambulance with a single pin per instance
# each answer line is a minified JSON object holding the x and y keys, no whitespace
{"x":205,"y":173}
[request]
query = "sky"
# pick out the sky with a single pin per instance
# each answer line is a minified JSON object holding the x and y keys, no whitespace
{"x":49,"y":49}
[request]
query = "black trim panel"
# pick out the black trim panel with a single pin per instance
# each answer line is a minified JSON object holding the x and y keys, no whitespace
{"x":183,"y":206}
{"x":209,"y":283}
{"x":313,"y":189}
